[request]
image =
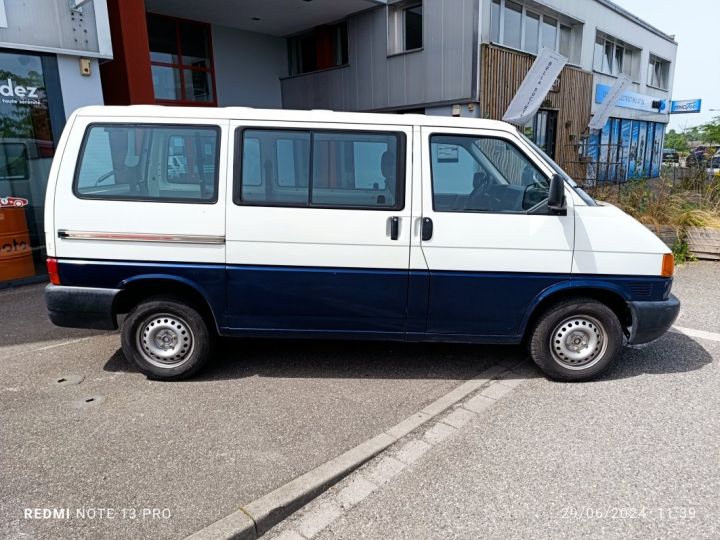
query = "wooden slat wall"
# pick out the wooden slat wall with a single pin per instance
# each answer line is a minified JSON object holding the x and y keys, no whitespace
{"x":501,"y":73}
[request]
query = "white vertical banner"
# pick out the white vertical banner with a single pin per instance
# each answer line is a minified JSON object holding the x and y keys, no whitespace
{"x":613,"y":96}
{"x":536,"y":85}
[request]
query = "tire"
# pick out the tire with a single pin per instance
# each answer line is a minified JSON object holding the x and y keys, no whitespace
{"x":576,"y":340}
{"x":166,"y":339}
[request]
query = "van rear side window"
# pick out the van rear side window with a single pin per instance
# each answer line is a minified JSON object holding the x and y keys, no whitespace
{"x":329,"y":169}
{"x":164,"y":163}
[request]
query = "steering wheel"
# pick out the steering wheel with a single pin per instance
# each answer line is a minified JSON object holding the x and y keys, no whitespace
{"x":481,"y":181}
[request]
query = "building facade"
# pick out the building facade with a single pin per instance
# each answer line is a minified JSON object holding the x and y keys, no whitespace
{"x":49,"y":66}
{"x":474,"y":55}
{"x":461,"y":57}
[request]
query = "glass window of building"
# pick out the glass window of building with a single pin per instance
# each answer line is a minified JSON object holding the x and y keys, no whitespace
{"x":532,"y":32}
{"x":181,"y":61}
{"x":413,"y":16}
{"x":658,"y":72}
{"x":322,"y":48}
{"x":27,"y":144}
{"x":612,"y":57}
{"x":549,"y":33}
{"x":405,"y":26}
{"x":565,"y":41}
{"x":542,"y":129}
{"x":514,"y":25}
{"x":495,"y":21}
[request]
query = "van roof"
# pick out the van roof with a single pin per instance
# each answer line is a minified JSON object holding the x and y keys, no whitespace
{"x":315,"y":115}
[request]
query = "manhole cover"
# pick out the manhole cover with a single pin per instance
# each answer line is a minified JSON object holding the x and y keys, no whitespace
{"x":89,"y":401}
{"x":69,"y":380}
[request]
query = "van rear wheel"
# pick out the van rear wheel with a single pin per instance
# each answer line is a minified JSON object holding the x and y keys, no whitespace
{"x":166,"y":339}
{"x":576,"y":340}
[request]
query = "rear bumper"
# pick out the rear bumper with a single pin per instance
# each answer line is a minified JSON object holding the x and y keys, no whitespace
{"x":650,"y":320}
{"x":81,"y":307}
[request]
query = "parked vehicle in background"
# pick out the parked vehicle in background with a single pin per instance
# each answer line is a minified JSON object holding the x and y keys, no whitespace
{"x":670,"y":156}
{"x":199,"y":222}
{"x":700,"y":155}
{"x":713,"y":165}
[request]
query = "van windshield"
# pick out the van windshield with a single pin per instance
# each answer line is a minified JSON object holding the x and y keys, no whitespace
{"x":587,"y":199}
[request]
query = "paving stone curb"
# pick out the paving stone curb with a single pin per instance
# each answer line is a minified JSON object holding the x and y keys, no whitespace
{"x":256,"y":518}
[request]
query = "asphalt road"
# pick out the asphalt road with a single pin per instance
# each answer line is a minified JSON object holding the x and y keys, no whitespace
{"x":635,"y":454}
{"x":262,"y":414}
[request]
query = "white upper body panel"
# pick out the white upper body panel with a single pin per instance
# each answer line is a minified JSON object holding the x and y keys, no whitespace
{"x":588,"y":240}
{"x":608,"y":241}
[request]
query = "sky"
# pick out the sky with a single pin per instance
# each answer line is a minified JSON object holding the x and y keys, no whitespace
{"x":696,"y":25}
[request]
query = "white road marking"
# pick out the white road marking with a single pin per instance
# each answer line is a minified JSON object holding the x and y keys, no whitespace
{"x":55,"y":345}
{"x":691,"y":332}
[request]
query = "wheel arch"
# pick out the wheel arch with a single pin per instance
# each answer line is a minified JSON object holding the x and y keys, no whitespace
{"x":609,"y":294}
{"x":138,"y":288}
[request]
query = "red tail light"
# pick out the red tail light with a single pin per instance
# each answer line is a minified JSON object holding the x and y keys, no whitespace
{"x":52,"y":268}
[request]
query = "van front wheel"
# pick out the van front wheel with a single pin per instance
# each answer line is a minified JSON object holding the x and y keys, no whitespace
{"x":576,"y":340}
{"x":166,"y":339}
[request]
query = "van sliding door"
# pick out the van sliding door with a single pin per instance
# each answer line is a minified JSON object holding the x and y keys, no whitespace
{"x":318,"y":231}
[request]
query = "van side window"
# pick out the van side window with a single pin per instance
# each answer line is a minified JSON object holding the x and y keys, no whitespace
{"x":335,"y":169}
{"x":148,"y":162}
{"x":483,"y":174}
{"x":276,"y":167}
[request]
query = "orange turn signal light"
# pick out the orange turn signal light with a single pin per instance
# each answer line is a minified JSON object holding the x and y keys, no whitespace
{"x":668,"y":265}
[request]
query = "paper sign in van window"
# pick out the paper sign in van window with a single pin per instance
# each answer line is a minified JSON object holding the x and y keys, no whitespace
{"x":447,"y":153}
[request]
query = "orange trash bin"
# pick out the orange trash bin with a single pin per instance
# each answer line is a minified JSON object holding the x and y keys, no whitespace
{"x":16,"y":261}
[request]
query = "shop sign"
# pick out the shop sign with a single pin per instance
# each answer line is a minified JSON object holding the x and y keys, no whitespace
{"x":632,"y":100}
{"x":18,"y":94}
{"x":685,"y":106}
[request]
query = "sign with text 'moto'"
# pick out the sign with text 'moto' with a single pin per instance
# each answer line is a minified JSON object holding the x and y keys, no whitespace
{"x":685,"y":106}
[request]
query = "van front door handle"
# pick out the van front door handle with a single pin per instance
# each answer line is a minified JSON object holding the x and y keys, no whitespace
{"x":394,"y":228}
{"x":427,"y":228}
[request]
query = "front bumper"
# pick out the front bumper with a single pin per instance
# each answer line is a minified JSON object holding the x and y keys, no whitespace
{"x":650,"y":320}
{"x":81,"y":307}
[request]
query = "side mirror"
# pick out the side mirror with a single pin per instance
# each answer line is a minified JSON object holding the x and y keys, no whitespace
{"x":556,"y":195}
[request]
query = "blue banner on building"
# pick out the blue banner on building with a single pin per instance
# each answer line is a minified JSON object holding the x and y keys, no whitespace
{"x":632,"y":100}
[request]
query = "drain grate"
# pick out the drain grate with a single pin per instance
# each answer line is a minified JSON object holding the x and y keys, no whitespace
{"x":69,"y":380}
{"x":89,"y":401}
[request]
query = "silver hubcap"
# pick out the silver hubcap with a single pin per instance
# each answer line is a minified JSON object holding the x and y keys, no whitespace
{"x":578,"y":342}
{"x":165,"y":340}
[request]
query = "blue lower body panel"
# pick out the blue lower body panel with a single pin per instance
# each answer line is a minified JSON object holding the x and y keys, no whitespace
{"x":361,"y":303}
{"x":485,"y":303}
{"x":316,"y":299}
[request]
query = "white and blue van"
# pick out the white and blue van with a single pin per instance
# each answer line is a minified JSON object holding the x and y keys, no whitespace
{"x":203,"y":222}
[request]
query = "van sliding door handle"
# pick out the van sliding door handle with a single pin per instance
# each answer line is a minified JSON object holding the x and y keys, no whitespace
{"x":427,"y":228}
{"x":394,"y":228}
